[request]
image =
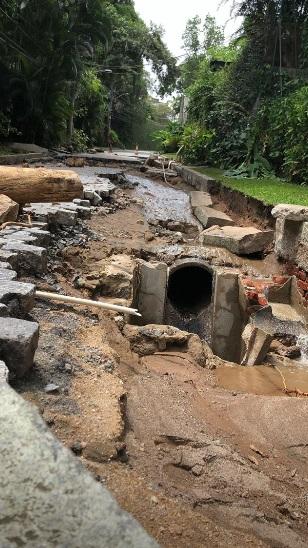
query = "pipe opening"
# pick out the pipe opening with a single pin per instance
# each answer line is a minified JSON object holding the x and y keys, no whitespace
{"x":190,"y":289}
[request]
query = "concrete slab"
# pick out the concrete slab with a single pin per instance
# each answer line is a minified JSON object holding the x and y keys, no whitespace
{"x":18,"y":343}
{"x":238,"y":240}
{"x":200,"y":199}
{"x":47,"y":497}
{"x":212,"y":217}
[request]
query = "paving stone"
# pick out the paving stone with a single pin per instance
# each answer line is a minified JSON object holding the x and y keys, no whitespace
{"x":93,"y":196}
{"x":31,"y":259}
{"x":18,"y":296}
{"x":82,"y":212}
{"x":80,"y":202}
{"x":211,"y":217}
{"x":290,"y":212}
{"x":18,"y":343}
{"x":19,"y":236}
{"x":238,"y":240}
{"x":42,"y":236}
{"x":200,"y":199}
{"x":7,"y":275}
{"x":47,"y":496}
{"x":9,"y":257}
{"x":52,"y":214}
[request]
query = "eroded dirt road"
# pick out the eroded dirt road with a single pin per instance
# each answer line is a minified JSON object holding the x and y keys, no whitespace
{"x":197,"y":464}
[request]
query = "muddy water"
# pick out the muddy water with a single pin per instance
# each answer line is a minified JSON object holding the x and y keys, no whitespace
{"x":262,"y":379}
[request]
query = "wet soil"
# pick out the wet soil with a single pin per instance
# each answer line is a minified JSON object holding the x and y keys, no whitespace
{"x":199,"y":457}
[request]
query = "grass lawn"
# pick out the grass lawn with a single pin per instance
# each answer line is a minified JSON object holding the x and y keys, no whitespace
{"x":269,"y":190}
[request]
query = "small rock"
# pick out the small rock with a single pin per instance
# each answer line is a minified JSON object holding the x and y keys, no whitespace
{"x":154,"y":500}
{"x":140,"y":222}
{"x":77,"y":447}
{"x":197,"y":470}
{"x":51,"y":388}
{"x":149,"y":237}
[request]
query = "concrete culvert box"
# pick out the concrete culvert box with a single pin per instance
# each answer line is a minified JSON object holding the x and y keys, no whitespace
{"x":189,"y":298}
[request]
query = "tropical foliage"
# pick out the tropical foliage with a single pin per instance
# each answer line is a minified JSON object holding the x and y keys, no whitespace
{"x":72,"y":71}
{"x":249,"y":98}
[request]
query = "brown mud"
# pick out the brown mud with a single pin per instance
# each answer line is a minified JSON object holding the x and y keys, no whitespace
{"x":199,"y":457}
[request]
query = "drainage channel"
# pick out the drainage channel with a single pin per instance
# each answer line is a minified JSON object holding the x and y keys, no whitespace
{"x":189,"y":298}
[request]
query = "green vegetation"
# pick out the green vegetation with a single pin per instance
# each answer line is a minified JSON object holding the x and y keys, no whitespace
{"x":247,"y":101}
{"x":269,"y":190}
{"x":72,"y":72}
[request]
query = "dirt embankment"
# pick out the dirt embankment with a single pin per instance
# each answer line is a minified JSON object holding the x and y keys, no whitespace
{"x":195,"y":464}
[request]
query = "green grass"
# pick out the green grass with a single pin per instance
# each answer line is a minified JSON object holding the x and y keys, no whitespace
{"x":271,"y":191}
{"x":4,"y":150}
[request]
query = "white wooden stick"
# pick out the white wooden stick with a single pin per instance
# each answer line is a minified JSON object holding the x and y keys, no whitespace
{"x":87,"y":302}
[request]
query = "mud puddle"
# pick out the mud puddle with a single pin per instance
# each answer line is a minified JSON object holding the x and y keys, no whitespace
{"x":262,"y":380}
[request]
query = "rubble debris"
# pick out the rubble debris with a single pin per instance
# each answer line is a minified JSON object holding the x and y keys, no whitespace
{"x":18,"y":343}
{"x":212,"y":217}
{"x":238,"y":240}
{"x":8,"y":209}
{"x":151,"y":339}
{"x":255,"y":345}
{"x":24,"y":185}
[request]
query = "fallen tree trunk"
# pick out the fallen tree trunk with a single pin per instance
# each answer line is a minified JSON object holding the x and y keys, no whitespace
{"x":24,"y":185}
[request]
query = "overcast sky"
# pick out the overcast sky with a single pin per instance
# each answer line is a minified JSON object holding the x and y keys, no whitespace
{"x":173,"y":14}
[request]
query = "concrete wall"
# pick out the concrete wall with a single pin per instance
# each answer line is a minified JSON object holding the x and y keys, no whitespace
{"x":150,"y":287}
{"x":227,"y":323}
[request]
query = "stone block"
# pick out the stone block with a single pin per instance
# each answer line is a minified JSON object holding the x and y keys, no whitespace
{"x":18,"y":343}
{"x":255,"y":345}
{"x":7,"y":275}
{"x":53,"y":215}
{"x":82,"y":212}
{"x":8,"y":209}
{"x":42,"y":236}
{"x":19,"y":236}
{"x":31,"y":259}
{"x":287,"y":238}
{"x":18,"y":296}
{"x":47,"y":497}
{"x":200,"y":199}
{"x":238,"y":240}
{"x":211,"y":217}
{"x":83,"y":203}
{"x":9,"y":257}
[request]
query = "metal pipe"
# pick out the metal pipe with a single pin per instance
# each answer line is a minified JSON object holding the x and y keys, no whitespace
{"x":87,"y":302}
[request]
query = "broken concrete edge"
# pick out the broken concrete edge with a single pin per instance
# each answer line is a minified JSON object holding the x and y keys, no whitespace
{"x":19,"y":158}
{"x":236,"y":199}
{"x":59,"y":500}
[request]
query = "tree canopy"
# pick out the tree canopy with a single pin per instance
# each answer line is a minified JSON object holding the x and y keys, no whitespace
{"x":72,"y":68}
